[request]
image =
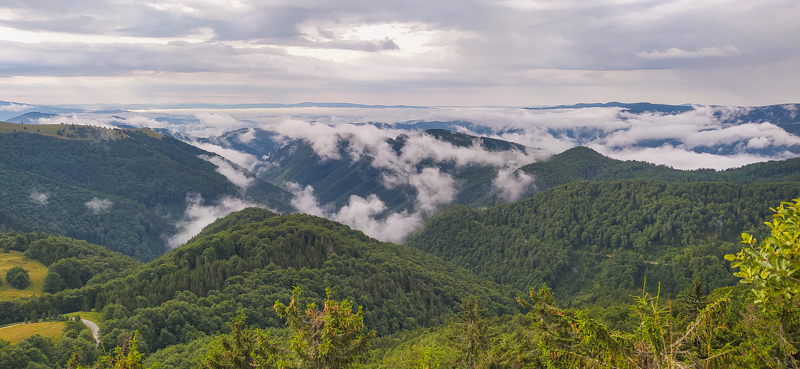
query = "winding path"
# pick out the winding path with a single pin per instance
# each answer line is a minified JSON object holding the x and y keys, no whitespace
{"x":94,"y":328}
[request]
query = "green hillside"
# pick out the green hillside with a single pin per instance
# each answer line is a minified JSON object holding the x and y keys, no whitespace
{"x":595,"y":242}
{"x":253,"y":258}
{"x":57,"y":263}
{"x":583,"y":163}
{"x":36,"y":272}
{"x":125,"y":193}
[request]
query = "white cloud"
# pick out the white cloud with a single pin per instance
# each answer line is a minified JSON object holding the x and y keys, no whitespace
{"x":675,"y":52}
{"x":39,"y":197}
{"x":433,"y":187}
{"x":512,"y":184}
{"x":212,"y":124}
{"x":234,"y":175}
{"x":14,"y":107}
{"x":197,"y":216}
{"x":247,"y":136}
{"x":359,"y":213}
{"x":242,"y":159}
{"x":684,"y":159}
{"x":98,"y":205}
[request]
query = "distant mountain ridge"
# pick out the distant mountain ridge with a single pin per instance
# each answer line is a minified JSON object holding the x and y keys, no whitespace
{"x":583,"y":163}
{"x":635,"y":108}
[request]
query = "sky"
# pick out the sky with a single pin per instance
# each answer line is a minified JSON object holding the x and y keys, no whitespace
{"x":431,"y":53}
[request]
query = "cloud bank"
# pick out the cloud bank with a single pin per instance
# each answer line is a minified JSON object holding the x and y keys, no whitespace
{"x":472,"y":52}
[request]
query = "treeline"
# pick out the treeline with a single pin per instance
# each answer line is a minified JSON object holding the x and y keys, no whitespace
{"x":594,"y":242}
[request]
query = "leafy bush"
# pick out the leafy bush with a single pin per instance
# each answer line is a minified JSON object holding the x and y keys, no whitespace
{"x":18,"y":278}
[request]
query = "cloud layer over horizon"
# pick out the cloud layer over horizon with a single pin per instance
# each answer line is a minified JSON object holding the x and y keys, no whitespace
{"x":714,"y":137}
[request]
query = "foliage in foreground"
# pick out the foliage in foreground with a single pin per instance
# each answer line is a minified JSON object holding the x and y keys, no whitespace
{"x":772,"y":268}
{"x":333,"y":338}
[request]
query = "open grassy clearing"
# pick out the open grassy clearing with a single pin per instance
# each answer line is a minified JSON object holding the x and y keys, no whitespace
{"x":20,"y":332}
{"x":53,"y":129}
{"x":95,"y":317}
{"x":36,"y":271}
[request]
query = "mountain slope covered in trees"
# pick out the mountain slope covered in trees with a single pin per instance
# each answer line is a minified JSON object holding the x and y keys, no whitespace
{"x":123,"y":189}
{"x":597,"y":241}
{"x":248,"y":260}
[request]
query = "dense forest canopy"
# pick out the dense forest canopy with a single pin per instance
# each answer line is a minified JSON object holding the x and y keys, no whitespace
{"x":124,"y":193}
{"x":596,"y":241}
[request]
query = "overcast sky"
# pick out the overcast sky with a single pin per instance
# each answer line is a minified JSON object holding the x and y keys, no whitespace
{"x":417,"y":52}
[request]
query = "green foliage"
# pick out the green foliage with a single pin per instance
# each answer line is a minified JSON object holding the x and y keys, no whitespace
{"x":242,"y":348}
{"x":331,"y":338}
{"x":593,"y":242}
{"x":771,"y":270}
{"x":36,"y":351}
{"x":71,"y":263}
{"x":125,"y":356}
{"x":258,"y":257}
{"x":772,"y":266}
{"x":473,"y":337}
{"x":180,"y":356}
{"x":18,"y":278}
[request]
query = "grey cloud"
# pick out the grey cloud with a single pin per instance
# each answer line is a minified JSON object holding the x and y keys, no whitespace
{"x":112,"y":59}
{"x":70,"y":23}
{"x":368,"y":46}
{"x":516,"y":47}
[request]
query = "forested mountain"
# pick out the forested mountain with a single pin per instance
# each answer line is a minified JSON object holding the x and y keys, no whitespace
{"x":123,"y":189}
{"x":248,"y":260}
{"x":595,"y":242}
{"x":583,"y":163}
